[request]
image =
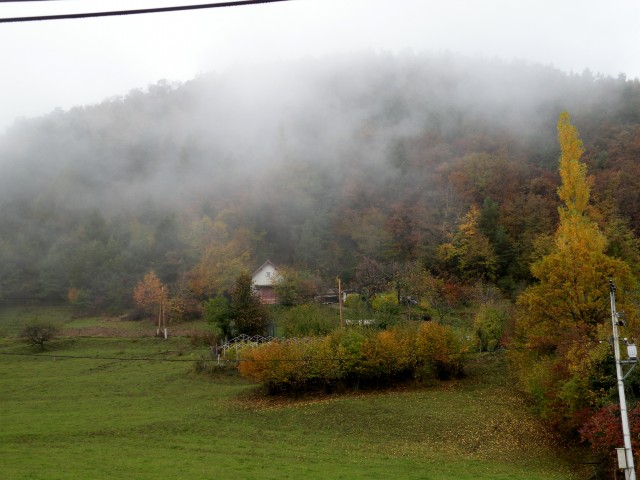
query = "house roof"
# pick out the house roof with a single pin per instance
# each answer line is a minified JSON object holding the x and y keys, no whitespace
{"x":268,"y":262}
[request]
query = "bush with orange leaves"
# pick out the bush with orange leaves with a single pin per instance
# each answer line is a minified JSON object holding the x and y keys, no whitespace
{"x":291,"y":366}
{"x":354,"y":358}
{"x":389,"y":356}
{"x":440,"y":350}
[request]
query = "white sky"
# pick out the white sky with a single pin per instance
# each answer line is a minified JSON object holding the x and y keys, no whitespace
{"x":62,"y":63}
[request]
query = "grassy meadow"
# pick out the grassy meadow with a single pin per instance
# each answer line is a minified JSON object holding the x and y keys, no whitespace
{"x":66,"y":414}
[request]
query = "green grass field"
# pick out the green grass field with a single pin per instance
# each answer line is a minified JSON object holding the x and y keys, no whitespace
{"x":87,"y":418}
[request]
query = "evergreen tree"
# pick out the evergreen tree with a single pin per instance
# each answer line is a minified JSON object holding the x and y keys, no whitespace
{"x":247,"y":311}
{"x":218,"y":313}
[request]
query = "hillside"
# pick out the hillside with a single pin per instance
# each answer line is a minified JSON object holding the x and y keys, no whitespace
{"x":319,"y":165}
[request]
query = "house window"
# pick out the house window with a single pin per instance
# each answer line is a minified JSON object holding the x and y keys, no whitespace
{"x":268,"y":274}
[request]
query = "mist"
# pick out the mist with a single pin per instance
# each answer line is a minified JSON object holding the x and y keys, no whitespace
{"x":301,"y":152}
{"x":172,"y":144}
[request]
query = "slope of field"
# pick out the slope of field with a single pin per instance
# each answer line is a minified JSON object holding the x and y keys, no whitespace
{"x":79,"y":418}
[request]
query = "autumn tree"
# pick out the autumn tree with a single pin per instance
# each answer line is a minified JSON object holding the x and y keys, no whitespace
{"x":150,"y":293}
{"x":225,"y":253}
{"x":603,"y":431}
{"x":565,"y":313}
{"x":470,"y":251}
{"x":572,"y":289}
{"x":294,"y":287}
{"x":441,"y":297}
{"x":372,"y":277}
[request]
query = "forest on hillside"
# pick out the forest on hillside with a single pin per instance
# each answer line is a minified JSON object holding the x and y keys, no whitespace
{"x":324,"y":166}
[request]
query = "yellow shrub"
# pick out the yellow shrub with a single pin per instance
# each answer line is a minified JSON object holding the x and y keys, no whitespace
{"x":438,"y":347}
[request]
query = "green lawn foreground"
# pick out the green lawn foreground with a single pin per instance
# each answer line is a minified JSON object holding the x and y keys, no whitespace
{"x":103,"y":419}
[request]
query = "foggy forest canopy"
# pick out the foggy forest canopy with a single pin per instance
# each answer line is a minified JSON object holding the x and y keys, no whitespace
{"x":320,"y":165}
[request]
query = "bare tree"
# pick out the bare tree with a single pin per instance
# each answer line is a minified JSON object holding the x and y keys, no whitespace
{"x":39,"y":333}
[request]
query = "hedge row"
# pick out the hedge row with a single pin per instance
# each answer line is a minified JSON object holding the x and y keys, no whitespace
{"x":354,"y":359}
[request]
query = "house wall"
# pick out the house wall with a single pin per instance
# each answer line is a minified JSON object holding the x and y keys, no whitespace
{"x":264,"y":276}
{"x":267,"y":295}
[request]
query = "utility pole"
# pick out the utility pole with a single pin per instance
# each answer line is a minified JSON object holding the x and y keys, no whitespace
{"x":625,"y":455}
{"x":159,"y":318}
{"x":164,"y":317}
{"x":161,"y":331}
{"x":340,"y":301}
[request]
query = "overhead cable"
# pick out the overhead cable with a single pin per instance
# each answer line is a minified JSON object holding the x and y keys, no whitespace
{"x":27,"y":1}
{"x":72,"y":16}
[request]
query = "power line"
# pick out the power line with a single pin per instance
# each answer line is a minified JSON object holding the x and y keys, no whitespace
{"x":28,"y":1}
{"x":73,"y":16}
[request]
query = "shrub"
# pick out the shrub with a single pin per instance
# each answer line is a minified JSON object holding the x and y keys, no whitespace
{"x":356,"y":308}
{"x":537,"y":375}
{"x":603,"y":431}
{"x":347,"y":347}
{"x":354,"y":358}
{"x":566,"y":387}
{"x":386,"y":308}
{"x":290,"y":367}
{"x":203,"y":338}
{"x":438,"y":348}
{"x":489,"y":324}
{"x":309,"y":319}
{"x":39,"y":333}
{"x":389,"y":356}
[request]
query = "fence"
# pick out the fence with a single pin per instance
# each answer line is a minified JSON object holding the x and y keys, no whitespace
{"x":232,"y":347}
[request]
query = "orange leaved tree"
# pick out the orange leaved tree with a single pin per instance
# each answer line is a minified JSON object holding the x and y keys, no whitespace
{"x":151,"y":295}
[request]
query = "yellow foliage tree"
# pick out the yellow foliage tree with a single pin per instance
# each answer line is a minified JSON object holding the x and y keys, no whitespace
{"x":567,"y":311}
{"x":470,"y":249}
{"x":572,"y":293}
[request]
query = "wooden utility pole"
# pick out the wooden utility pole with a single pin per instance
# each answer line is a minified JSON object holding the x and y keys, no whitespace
{"x":159,"y":318}
{"x":162,"y":322}
{"x":340,"y":302}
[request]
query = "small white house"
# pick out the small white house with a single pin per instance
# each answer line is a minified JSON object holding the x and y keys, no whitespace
{"x":263,"y":279}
